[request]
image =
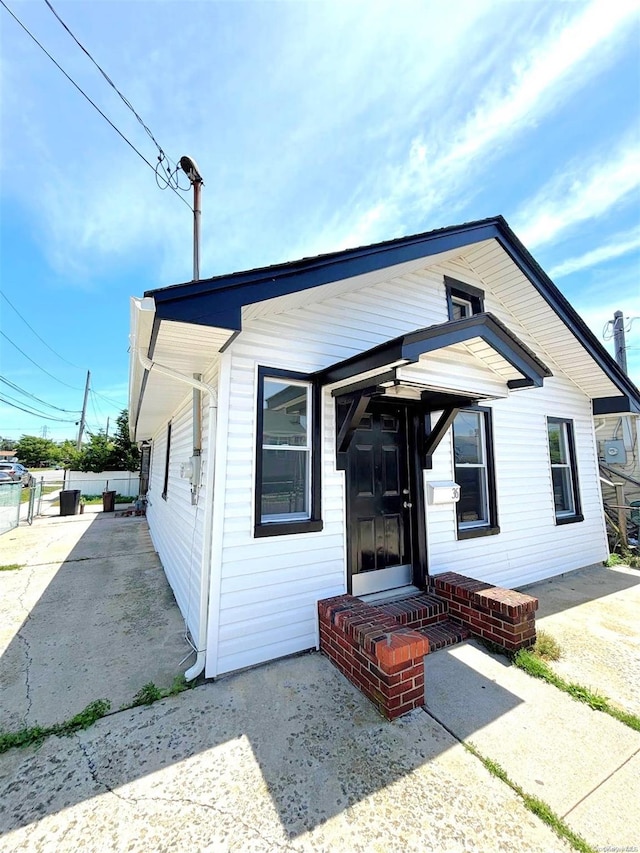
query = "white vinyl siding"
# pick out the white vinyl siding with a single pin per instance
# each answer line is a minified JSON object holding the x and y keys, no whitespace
{"x":530,"y":545}
{"x":176,"y":525}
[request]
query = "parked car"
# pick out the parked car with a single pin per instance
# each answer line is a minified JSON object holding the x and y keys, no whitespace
{"x":5,"y":477}
{"x":16,"y":471}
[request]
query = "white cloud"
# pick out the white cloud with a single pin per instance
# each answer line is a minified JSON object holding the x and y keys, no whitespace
{"x":623,"y":245}
{"x":440,"y":164}
{"x":582,"y":192}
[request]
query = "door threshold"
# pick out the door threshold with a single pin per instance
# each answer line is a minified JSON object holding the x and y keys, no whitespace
{"x":398,"y":592}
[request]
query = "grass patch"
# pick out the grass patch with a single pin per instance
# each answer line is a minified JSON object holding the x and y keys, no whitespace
{"x":11,"y":567}
{"x":626,"y":558}
{"x":46,"y":490}
{"x":534,"y":804}
{"x":36,"y":734}
{"x":547,"y":647}
{"x":534,"y":666}
{"x":97,"y":499}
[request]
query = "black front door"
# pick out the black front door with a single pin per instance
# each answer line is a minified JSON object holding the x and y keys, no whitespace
{"x":379,"y":510}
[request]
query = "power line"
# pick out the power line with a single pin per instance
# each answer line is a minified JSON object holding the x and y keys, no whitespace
{"x":93,"y":104}
{"x":112,"y":84}
{"x":33,"y":397}
{"x":36,"y":414}
{"x":6,"y":298}
{"x":35,"y":362}
{"x":108,"y":400}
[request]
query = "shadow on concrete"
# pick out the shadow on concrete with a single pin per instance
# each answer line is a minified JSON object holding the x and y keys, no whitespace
{"x":462,"y":698}
{"x":574,"y":588}
{"x":292,"y":736}
{"x":97,"y":625}
{"x":106,"y":622}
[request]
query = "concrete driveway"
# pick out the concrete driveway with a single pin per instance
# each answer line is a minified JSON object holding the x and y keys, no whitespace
{"x":287,"y":756}
{"x":89,"y":616}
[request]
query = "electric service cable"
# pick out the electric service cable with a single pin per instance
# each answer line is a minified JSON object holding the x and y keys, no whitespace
{"x":93,"y":104}
{"x":37,"y":414}
{"x":13,"y":344}
{"x":62,"y":358}
{"x":38,"y":399}
{"x":125,"y":100}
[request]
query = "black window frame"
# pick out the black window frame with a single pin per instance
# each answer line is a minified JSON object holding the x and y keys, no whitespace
{"x":576,"y":515}
{"x":492,"y":527}
{"x":461,"y":290}
{"x":165,"y":487}
{"x":314,"y":523}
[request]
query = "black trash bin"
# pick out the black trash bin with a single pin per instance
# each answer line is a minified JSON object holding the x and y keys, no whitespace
{"x":108,"y":501}
{"x":69,"y":501}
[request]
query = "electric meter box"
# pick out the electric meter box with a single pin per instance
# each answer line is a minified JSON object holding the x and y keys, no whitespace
{"x":614,"y":452}
{"x":443,"y":492}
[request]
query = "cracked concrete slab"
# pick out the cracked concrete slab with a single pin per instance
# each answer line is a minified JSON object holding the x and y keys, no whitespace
{"x":288,"y":757}
{"x":89,"y":616}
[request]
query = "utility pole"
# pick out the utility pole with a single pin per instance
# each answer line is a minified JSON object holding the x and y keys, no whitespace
{"x":106,"y":435}
{"x":84,"y":411}
{"x":618,"y":340}
{"x":189,"y":167}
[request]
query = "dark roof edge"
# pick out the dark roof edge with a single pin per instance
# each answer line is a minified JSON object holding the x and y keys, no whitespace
{"x":289,"y":268}
{"x":521,"y":256}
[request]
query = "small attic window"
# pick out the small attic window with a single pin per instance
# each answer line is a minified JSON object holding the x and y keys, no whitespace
{"x":463,"y":300}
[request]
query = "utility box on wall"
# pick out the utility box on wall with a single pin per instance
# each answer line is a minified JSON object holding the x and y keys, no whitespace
{"x":443,"y":492}
{"x":614,"y":452}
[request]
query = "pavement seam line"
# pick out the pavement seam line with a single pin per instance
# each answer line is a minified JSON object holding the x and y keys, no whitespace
{"x":600,"y":784}
{"x":567,"y":834}
{"x":85,"y":559}
{"x":27,"y":645}
{"x":93,"y":770}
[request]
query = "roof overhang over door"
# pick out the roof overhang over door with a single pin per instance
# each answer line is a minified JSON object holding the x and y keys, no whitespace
{"x":484,"y":338}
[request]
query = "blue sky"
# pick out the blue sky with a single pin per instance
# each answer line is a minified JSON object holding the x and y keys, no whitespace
{"x":316,"y":126}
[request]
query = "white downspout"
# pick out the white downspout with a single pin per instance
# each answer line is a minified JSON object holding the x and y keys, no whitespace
{"x":205,"y":569}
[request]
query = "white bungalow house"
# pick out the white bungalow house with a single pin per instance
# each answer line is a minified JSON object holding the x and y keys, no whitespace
{"x":363,"y":421}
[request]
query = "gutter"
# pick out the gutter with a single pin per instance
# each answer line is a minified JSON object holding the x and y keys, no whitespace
{"x":205,"y":567}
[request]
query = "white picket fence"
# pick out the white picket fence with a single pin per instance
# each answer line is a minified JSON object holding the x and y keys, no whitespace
{"x":122,"y":482}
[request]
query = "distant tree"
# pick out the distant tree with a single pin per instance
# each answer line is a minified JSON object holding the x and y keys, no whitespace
{"x":96,"y":454}
{"x":125,"y":456}
{"x":7,"y":443}
{"x":32,"y":450}
{"x":67,"y":455}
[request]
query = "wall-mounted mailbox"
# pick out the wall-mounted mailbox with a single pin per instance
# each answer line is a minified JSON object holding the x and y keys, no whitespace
{"x":443,"y":492}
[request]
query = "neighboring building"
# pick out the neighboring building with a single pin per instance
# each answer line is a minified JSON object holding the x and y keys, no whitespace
{"x":345,"y":402}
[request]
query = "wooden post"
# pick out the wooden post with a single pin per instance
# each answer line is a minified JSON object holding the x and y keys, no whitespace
{"x":622,"y":513}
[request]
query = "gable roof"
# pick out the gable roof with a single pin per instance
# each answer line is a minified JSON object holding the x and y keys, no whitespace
{"x":184,"y":326}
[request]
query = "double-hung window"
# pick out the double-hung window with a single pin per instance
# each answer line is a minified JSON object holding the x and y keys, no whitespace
{"x":474,"y":473}
{"x":564,"y":472}
{"x":287,"y":455}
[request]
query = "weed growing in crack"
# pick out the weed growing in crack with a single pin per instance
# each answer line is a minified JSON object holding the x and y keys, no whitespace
{"x":11,"y":567}
{"x":535,"y":805}
{"x":537,"y":668}
{"x":33,"y":735}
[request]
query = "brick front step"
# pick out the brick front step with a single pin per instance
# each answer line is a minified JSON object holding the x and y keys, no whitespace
{"x":443,"y":634}
{"x":381,"y":647}
{"x":417,"y":611}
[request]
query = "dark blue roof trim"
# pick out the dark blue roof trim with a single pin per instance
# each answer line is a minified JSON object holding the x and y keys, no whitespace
{"x":614,"y":406}
{"x":218,"y":301}
{"x":410,"y":347}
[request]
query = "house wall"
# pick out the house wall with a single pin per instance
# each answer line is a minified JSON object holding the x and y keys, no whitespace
{"x":530,"y":545}
{"x":268,"y":587}
{"x":176,"y":525}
